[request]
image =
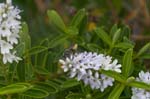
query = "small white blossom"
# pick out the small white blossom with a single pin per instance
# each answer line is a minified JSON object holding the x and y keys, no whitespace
{"x":95,"y":83}
{"x":106,"y":81}
{"x":8,"y":57}
{"x":85,"y":67}
{"x":10,"y":26}
{"x":139,"y":93}
{"x":87,"y":78}
{"x":5,"y":47}
{"x":5,"y":30}
{"x":13,"y":38}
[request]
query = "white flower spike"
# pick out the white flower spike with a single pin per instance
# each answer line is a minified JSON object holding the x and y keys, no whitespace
{"x":138,"y":93}
{"x":10,"y":26}
{"x":85,"y":67}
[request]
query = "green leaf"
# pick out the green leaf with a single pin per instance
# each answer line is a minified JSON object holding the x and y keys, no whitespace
{"x":54,"y":84}
{"x":36,"y":93}
{"x":143,"y":50}
{"x":20,"y":49}
{"x":114,"y":75}
{"x":116,"y":36}
{"x":98,"y":95}
{"x":145,"y":56}
{"x":41,"y":70}
{"x":15,"y":88}
{"x":127,"y":62}
{"x":25,"y":84}
{"x":72,"y":31}
{"x":57,"y":41}
{"x":113,"y":30}
{"x":21,"y":71}
{"x":28,"y":70}
{"x":44,"y":42}
{"x":24,"y":36}
{"x":46,"y":87}
{"x":130,"y":79}
{"x":125,"y":39}
{"x":45,"y":59}
{"x":124,"y":45}
{"x":94,"y":47}
{"x":56,"y":20}
{"x":70,"y":83}
{"x":35,"y":50}
{"x":138,"y":84}
{"x":42,"y":56}
{"x":74,"y":96}
{"x":78,"y":18}
{"x":104,"y":36}
{"x":83,"y":25}
{"x":126,"y":32}
{"x":116,"y":92}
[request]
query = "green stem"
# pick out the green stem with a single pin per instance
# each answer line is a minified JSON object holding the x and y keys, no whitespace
{"x":4,"y":67}
{"x":13,"y":74}
{"x":110,"y":49}
{"x":5,"y":74}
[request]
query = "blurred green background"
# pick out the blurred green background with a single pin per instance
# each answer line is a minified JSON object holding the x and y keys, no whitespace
{"x":135,"y":13}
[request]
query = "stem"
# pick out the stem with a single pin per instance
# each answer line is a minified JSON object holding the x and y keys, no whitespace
{"x":110,"y":49}
{"x":4,"y":67}
{"x":4,"y":73}
{"x":4,"y":70}
{"x":82,"y":88}
{"x":13,"y":74}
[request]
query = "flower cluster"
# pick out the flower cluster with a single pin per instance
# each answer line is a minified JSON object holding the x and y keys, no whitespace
{"x":139,"y":93}
{"x":9,"y":28}
{"x":85,"y":67}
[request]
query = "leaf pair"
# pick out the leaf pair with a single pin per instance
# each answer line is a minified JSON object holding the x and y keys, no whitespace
{"x":74,"y":26}
{"x":113,"y":39}
{"x":38,"y":90}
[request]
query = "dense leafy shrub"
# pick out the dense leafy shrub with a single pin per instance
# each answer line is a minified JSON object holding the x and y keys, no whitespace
{"x":105,"y":57}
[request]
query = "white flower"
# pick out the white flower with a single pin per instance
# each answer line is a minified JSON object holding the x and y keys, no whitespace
{"x":13,"y":38}
{"x":85,"y":67}
{"x":10,"y":26}
{"x":8,"y":57}
{"x":14,"y":12}
{"x":139,"y":93}
{"x":4,"y":30}
{"x":106,"y":81}
{"x":144,"y":77}
{"x":5,"y":47}
{"x":65,"y":64}
{"x":116,"y":67}
{"x":87,"y":78}
{"x":95,"y":82}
